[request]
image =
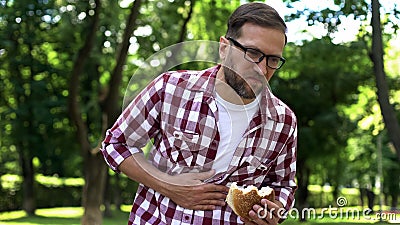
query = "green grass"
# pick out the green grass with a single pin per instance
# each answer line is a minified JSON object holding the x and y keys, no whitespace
{"x":72,"y":215}
{"x":58,"y":216}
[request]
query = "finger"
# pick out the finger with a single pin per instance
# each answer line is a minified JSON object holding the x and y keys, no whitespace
{"x":215,"y":188}
{"x":271,"y":206}
{"x":204,"y":207}
{"x":204,"y":204}
{"x":203,"y":175}
{"x":205,"y":198}
{"x":263,"y":215}
{"x":260,"y":212}
{"x":247,"y":222}
{"x":209,"y":201}
{"x":201,"y":194}
{"x":259,"y":217}
{"x":212,"y":202}
{"x":214,"y":196}
{"x":208,"y":205}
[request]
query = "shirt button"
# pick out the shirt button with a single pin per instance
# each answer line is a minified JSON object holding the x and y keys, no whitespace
{"x":263,"y":168}
{"x":176,"y":135}
{"x":187,"y":217}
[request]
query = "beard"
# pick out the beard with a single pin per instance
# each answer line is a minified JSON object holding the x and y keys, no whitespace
{"x":239,"y":85}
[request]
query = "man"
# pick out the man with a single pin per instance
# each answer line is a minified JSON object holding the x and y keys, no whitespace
{"x":211,"y":128}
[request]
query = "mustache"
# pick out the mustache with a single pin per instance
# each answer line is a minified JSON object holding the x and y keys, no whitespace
{"x":243,"y":76}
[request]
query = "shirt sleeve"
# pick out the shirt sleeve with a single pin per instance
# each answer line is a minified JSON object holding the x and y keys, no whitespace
{"x":137,"y":124}
{"x":282,"y":175}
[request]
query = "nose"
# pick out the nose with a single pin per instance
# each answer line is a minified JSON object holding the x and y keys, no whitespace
{"x":261,"y":67}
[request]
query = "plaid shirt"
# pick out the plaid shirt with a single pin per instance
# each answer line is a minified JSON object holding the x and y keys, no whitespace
{"x":178,"y":112}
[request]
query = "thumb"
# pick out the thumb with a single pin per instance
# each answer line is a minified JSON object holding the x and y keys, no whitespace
{"x":204,"y":175}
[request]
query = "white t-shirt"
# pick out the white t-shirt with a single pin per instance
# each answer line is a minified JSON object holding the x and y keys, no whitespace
{"x":235,"y":118}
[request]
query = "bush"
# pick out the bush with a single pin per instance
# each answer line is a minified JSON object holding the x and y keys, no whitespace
{"x":52,"y":191}
{"x":321,"y":196}
{"x":49,"y":192}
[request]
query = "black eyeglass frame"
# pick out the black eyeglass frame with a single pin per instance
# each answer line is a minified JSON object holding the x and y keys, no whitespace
{"x":245,"y":50}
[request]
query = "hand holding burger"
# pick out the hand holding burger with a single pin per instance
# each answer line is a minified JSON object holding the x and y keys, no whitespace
{"x":245,"y":202}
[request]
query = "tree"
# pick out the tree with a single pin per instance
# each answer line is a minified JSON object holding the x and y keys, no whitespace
{"x":91,"y":197}
{"x":110,"y":106}
{"x":332,"y":19}
{"x":315,"y":83}
{"x":45,"y":42}
{"x":389,"y":115}
{"x":95,"y":178}
{"x":359,"y":10}
{"x":28,"y":73}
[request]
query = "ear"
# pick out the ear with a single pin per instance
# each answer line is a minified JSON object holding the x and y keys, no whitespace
{"x":223,"y":47}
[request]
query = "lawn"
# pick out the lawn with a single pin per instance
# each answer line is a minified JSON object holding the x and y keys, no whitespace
{"x":72,"y":215}
{"x":57,"y":216}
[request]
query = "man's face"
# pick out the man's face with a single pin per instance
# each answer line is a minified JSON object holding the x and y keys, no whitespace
{"x":246,"y":88}
{"x":248,"y":78}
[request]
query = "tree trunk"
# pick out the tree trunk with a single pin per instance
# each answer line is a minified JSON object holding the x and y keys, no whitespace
{"x":111,"y":103}
{"x":175,"y":59}
{"x":362,"y":195}
{"x":28,"y":200}
{"x":107,"y":200}
{"x":395,"y":201}
{"x":92,"y":199}
{"x":387,"y":110}
{"x":94,"y":167}
{"x":111,"y":108}
{"x":371,"y":199}
{"x":26,"y":143}
{"x":112,"y":194}
{"x":303,"y":174}
{"x":186,"y":21}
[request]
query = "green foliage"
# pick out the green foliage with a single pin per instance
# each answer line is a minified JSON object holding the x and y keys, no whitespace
{"x":333,"y":16}
{"x":314,"y":83}
{"x":330,"y":87}
{"x":67,"y":191}
{"x":34,"y":96}
{"x":200,"y":27}
{"x":348,"y":155}
{"x":54,"y":191}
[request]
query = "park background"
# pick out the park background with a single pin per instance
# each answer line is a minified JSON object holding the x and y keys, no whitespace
{"x":65,"y":65}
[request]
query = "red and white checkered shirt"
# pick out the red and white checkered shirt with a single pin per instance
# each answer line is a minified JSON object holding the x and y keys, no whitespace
{"x":178,"y":112}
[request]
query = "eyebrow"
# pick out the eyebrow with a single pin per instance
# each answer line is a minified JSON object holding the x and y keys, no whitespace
{"x":256,"y":48}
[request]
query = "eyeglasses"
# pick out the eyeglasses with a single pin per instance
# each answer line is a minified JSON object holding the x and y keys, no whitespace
{"x":256,"y":56}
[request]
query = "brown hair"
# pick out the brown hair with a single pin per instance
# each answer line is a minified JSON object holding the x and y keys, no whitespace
{"x":257,"y":13}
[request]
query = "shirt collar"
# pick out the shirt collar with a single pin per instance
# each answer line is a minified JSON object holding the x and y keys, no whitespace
{"x":205,"y":81}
